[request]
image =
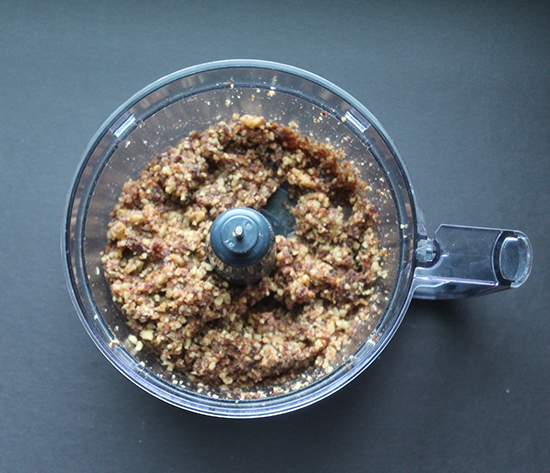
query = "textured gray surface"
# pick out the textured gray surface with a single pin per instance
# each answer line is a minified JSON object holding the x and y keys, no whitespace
{"x":462,"y":88}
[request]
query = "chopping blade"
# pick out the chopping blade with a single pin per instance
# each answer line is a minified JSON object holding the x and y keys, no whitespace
{"x":278,"y":211}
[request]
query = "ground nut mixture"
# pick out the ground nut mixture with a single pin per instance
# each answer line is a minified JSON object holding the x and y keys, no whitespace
{"x":227,"y":335}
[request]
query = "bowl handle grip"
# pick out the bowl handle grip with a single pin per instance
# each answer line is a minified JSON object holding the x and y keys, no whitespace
{"x":466,"y":261}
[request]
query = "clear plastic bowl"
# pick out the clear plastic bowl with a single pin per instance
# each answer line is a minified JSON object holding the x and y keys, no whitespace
{"x":193,"y":99}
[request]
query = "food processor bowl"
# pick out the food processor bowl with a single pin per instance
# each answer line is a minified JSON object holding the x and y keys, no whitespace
{"x":163,"y":114}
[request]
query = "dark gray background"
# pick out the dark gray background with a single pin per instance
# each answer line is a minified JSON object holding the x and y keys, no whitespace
{"x":464,"y":91}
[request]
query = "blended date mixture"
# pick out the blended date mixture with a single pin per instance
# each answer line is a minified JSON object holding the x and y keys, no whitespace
{"x":299,"y":316}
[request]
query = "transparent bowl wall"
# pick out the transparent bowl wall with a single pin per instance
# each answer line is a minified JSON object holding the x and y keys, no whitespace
{"x":193,"y":99}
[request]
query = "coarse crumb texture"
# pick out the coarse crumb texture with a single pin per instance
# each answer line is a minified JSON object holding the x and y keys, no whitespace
{"x":299,"y":316}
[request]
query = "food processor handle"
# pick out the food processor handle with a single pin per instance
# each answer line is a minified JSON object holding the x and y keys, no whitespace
{"x":466,"y":261}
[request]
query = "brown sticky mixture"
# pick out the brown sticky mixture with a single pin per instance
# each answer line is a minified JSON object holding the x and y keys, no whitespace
{"x":299,"y":316}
